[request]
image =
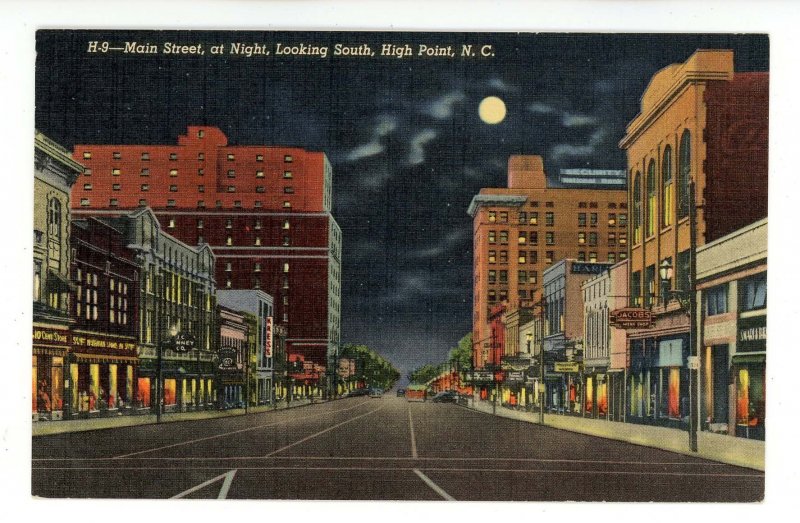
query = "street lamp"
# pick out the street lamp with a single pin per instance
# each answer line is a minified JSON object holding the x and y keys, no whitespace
{"x":665,"y":272}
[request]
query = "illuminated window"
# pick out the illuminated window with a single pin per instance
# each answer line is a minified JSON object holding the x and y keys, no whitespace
{"x":231,"y":188}
{"x":259,"y":174}
{"x":612,"y":219}
{"x":534,"y":218}
{"x":145,"y":172}
{"x":258,"y":241}
{"x":287,"y":158}
{"x":173,"y":156}
{"x":231,"y":157}
{"x":523,"y":238}
{"x":87,"y":155}
{"x":581,"y":238}
{"x":492,"y":256}
{"x":173,"y":172}
{"x":523,"y":258}
{"x":286,"y":267}
{"x":173,"y":188}
{"x":684,"y":174}
{"x":612,"y":257}
{"x":286,"y":224}
{"x":637,"y":208}
{"x":229,"y":240}
{"x":492,"y":216}
{"x":287,"y":205}
{"x":287,"y":174}
{"x":667,"y":197}
{"x":116,"y":155}
{"x":201,"y":133}
{"x":650,"y":224}
{"x":87,"y":186}
{"x":84,"y":202}
{"x":548,"y":257}
{"x":259,"y":157}
{"x":201,"y":156}
{"x":492,"y":276}
{"x":231,"y":173}
{"x":145,"y":156}
{"x":492,"y":236}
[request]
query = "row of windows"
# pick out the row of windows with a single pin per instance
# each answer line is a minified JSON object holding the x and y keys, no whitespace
{"x":200,"y":188}
{"x":752,"y":296}
{"x":145,"y":156}
{"x":116,"y":171}
{"x":523,"y":277}
{"x":201,"y":204}
{"x":667,"y":204}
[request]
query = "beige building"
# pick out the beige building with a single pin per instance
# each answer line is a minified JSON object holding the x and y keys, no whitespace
{"x":54,"y":173}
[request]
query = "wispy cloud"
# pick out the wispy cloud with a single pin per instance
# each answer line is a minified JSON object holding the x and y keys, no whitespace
{"x":500,"y":85}
{"x":577,"y":120}
{"x":384,"y":126}
{"x":451,"y":240}
{"x":541,"y":108}
{"x":444,"y":107}
{"x":565,"y":150}
{"x":373,"y":148}
{"x":416,"y":153}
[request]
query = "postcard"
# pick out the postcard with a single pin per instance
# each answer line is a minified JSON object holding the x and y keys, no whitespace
{"x":463,"y":266}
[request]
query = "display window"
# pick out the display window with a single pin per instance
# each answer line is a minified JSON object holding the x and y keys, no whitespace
{"x":589,"y":402}
{"x":602,"y":398}
{"x":170,"y":392}
{"x":750,"y":401}
{"x":143,"y":392}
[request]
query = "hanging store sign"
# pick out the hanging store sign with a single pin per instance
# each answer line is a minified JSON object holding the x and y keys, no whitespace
{"x":228,"y":359}
{"x":483,"y":375}
{"x":268,"y":340}
{"x":515,"y":376}
{"x":183,"y":342}
{"x":631,"y":318}
{"x":49,"y":336}
{"x":752,"y":334}
{"x":566,"y":366}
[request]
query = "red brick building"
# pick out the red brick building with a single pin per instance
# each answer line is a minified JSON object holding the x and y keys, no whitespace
{"x":264,"y":210}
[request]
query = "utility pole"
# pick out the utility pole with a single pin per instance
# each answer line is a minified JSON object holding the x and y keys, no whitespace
{"x":693,"y":369}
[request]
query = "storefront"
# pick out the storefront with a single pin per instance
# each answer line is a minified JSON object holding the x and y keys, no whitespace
{"x":659,"y":381}
{"x":50,"y":347}
{"x":595,"y":394}
{"x":102,"y":369}
{"x":749,"y":375}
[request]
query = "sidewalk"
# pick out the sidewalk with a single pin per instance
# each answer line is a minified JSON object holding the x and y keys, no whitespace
{"x":717,"y":447}
{"x":46,"y":428}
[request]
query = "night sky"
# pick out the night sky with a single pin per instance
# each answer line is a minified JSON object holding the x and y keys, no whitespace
{"x":404,"y":137}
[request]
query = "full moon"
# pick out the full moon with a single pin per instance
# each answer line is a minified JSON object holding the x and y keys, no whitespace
{"x":492,"y":110}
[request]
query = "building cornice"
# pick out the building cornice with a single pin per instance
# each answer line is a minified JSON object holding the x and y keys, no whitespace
{"x":671,"y":81}
{"x":495,"y":200}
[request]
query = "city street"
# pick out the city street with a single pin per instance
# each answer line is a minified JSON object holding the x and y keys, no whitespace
{"x":373,"y":448}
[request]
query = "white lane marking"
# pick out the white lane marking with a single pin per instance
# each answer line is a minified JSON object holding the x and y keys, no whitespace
{"x":413,"y":437}
{"x":223,"y":491}
{"x":436,"y":488}
{"x":312,"y":436}
{"x":403,"y":458}
{"x":224,"y":434}
{"x":436,"y":469}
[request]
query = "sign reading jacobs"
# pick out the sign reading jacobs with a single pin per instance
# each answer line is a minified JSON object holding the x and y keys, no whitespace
{"x":631,"y":318}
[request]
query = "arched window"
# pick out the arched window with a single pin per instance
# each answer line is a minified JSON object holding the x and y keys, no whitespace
{"x":651,"y":198}
{"x":684,"y":174}
{"x":637,"y":208}
{"x":667,"y":197}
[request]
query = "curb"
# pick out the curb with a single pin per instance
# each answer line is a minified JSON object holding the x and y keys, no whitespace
{"x":52,"y":428}
{"x":752,"y":457}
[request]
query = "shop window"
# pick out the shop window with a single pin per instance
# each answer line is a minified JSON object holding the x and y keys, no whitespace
{"x":753,"y":292}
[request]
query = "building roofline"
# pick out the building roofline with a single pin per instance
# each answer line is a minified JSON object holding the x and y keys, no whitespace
{"x":507,"y":200}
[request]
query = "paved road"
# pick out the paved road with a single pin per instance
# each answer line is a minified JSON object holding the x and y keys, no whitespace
{"x":362,"y":448}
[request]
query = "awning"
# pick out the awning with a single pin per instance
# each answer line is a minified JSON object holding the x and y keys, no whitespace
{"x":103,"y":358}
{"x":745,"y":359}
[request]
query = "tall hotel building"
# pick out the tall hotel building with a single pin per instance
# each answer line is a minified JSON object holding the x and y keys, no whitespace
{"x":264,"y":210}
{"x":700,"y":122}
{"x":521,"y":230}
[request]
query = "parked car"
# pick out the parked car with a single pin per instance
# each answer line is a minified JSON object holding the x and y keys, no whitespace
{"x":401,"y":393}
{"x":375,"y":392}
{"x":357,"y":392}
{"x":447,"y":396}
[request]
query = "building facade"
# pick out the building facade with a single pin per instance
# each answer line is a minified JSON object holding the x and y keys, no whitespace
{"x":53,"y":175}
{"x":259,"y":304}
{"x":520,"y":230}
{"x":732,"y":284}
{"x":103,"y":362}
{"x":265,"y":212}
{"x":563,"y":333}
{"x":597,"y":305}
{"x":618,"y":360}
{"x":233,"y":363}
{"x":177,"y":329}
{"x":701,"y":125}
